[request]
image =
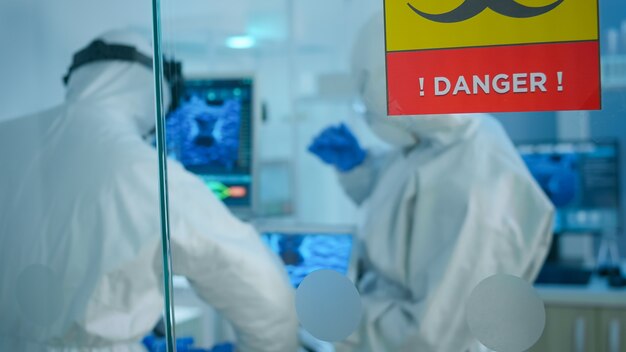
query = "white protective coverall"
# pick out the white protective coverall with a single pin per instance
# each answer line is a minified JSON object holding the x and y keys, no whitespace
{"x":452,"y":206}
{"x":80,"y":244}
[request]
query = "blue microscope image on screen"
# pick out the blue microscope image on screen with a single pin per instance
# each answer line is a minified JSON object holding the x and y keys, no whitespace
{"x":210,"y":134}
{"x":203,"y":135}
{"x":303,"y":254}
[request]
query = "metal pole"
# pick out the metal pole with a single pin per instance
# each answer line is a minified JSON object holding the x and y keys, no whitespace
{"x":163,"y":189}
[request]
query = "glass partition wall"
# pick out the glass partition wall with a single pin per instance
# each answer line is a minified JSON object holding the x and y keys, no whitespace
{"x":264,"y":200}
{"x":260,"y":81}
{"x":269,"y":87}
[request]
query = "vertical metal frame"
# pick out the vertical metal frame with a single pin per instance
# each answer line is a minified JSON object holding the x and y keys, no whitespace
{"x":162,"y":155}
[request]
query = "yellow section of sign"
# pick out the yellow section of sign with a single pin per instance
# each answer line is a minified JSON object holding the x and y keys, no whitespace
{"x":570,"y":20}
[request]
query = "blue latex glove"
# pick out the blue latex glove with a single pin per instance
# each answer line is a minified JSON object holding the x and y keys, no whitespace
{"x":184,"y":344}
{"x":158,"y":344}
{"x":337,"y":146}
{"x":225,"y":347}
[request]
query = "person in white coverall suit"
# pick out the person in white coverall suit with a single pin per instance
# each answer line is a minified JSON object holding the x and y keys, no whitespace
{"x":452,"y":205}
{"x":81,"y":266}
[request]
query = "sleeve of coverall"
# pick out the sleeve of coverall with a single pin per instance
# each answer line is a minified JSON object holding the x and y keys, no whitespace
{"x":359,"y":182}
{"x":230,"y":268}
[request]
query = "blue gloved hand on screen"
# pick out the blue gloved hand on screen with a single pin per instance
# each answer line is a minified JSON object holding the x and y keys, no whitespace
{"x":337,"y":146}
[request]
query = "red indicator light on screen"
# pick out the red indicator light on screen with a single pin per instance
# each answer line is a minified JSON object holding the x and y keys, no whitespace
{"x":237,"y":191}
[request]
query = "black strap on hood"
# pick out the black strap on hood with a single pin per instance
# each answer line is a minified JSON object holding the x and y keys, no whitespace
{"x":98,"y":51}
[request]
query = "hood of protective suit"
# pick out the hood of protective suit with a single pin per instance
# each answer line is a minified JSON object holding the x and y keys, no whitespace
{"x":369,"y":77}
{"x":125,"y":86}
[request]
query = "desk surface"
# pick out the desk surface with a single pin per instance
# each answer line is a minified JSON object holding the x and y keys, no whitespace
{"x":596,"y":293}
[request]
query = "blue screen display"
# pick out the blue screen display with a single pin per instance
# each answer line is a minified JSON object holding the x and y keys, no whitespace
{"x":581,"y":179}
{"x":210,"y":133}
{"x":305,"y":253}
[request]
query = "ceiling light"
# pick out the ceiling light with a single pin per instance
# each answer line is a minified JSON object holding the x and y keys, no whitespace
{"x":240,"y":42}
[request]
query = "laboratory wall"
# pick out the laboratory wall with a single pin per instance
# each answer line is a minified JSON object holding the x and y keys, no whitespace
{"x":39,"y":38}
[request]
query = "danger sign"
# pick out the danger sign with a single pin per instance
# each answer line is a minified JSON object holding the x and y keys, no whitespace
{"x":491,"y":56}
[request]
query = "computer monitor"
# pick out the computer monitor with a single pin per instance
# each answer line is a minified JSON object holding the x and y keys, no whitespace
{"x":211,"y":134}
{"x":582,"y":181}
{"x":304,"y":249}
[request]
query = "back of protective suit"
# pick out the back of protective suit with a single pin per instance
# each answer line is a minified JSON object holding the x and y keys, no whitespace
{"x":80,"y":260}
{"x":70,"y":218}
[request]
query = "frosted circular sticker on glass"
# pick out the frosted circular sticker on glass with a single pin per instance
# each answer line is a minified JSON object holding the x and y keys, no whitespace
{"x":505,"y":314}
{"x":328,"y":305}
